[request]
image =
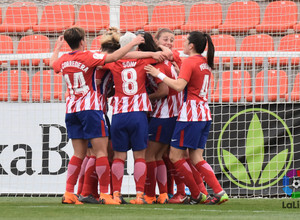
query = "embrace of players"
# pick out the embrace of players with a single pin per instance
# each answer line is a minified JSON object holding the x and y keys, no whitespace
{"x":159,"y":111}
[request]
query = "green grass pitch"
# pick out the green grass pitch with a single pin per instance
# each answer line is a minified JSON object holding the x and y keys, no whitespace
{"x":51,"y":208}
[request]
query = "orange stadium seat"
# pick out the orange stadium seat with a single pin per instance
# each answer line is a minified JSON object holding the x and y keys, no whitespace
{"x":14,"y":84}
{"x":223,"y":43}
{"x":170,"y":14}
{"x":204,"y":16}
{"x":6,"y":46}
{"x":133,"y":16}
{"x":236,"y":86}
{"x":258,"y":42}
{"x":20,"y":17}
{"x":36,"y":87}
{"x":96,"y":43}
{"x":241,"y":17}
{"x":295,"y":94}
{"x":279,"y":16}
{"x":93,"y":16}
{"x":56,"y":17}
{"x":288,"y":43}
{"x":272,"y":86}
{"x":32,"y":44}
{"x":178,"y":42}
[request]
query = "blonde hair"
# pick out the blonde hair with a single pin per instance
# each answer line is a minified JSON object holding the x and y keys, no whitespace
{"x":110,"y":41}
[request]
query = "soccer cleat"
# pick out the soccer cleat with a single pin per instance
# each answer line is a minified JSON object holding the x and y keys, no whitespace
{"x":119,"y":198}
{"x":208,"y":199}
{"x":218,"y":199}
{"x":150,"y":199}
{"x":70,"y":198}
{"x":90,"y":199}
{"x":179,"y":199}
{"x":107,"y":199}
{"x":201,"y":198}
{"x":162,"y":198}
{"x":139,"y":199}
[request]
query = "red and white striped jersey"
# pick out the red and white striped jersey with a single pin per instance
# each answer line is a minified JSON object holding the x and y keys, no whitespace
{"x":78,"y":69}
{"x":197,"y":73}
{"x":168,"y":106}
{"x":130,"y":91}
{"x":176,"y":58}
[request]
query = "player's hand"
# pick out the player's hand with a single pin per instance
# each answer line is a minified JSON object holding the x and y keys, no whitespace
{"x":138,"y":40}
{"x":59,"y":41}
{"x":159,"y":56}
{"x":151,"y":70}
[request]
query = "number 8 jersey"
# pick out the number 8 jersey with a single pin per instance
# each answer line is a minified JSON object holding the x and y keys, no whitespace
{"x":130,"y":91}
{"x":78,"y":69}
{"x":197,"y":73}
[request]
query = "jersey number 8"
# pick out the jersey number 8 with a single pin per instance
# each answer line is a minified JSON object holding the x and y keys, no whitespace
{"x":130,"y":85}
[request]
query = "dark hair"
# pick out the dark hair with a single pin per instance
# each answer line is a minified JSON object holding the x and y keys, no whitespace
{"x":200,"y":40}
{"x":73,"y":36}
{"x":149,"y":44}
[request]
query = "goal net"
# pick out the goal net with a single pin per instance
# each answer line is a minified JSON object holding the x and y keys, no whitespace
{"x":254,"y":94}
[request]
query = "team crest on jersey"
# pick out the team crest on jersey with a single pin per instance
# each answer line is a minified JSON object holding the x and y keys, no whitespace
{"x":98,"y":56}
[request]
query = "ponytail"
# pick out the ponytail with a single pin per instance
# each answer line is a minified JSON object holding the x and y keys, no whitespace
{"x":210,"y":52}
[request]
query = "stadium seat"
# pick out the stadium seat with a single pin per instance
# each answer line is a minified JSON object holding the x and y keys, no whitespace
{"x":56,"y":17}
{"x":241,"y":17}
{"x":288,"y":43}
{"x":223,"y":43}
{"x":279,"y":16}
{"x":259,"y":43}
{"x":32,"y":44}
{"x":133,"y":16}
{"x":295,"y":94}
{"x":6,"y":46}
{"x":272,"y":86}
{"x":96,"y":43}
{"x":203,"y":16}
{"x":93,"y":16}
{"x":36,"y":87}
{"x":236,"y":86}
{"x":19,"y":17}
{"x":14,"y":84}
{"x":178,"y":42}
{"x":169,"y":14}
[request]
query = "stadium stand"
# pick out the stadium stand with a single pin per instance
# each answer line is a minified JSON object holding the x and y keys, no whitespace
{"x":14,"y":85}
{"x":46,"y":87}
{"x":56,"y":17}
{"x":272,"y":86}
{"x":236,"y":86}
{"x":223,"y":43}
{"x":203,"y":16}
{"x":32,"y":44}
{"x":178,"y":42}
{"x":258,"y":42}
{"x":241,"y":17}
{"x":279,"y":16}
{"x":93,"y":16}
{"x":96,"y":43}
{"x":133,"y":16}
{"x":287,"y":43}
{"x":170,"y":14}
{"x":295,"y":94}
{"x":19,"y":17}
{"x":6,"y":46}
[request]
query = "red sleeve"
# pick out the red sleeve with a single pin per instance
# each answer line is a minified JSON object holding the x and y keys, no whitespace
{"x":149,"y":61}
{"x":176,"y":58}
{"x":186,"y":70}
{"x":57,"y":65}
{"x":95,"y":59}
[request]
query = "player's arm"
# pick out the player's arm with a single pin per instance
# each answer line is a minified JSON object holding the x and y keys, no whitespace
{"x":118,"y":54}
{"x":162,"y":91}
{"x":59,"y":44}
{"x":159,"y":55}
{"x":177,"y":84}
{"x":168,"y":54}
